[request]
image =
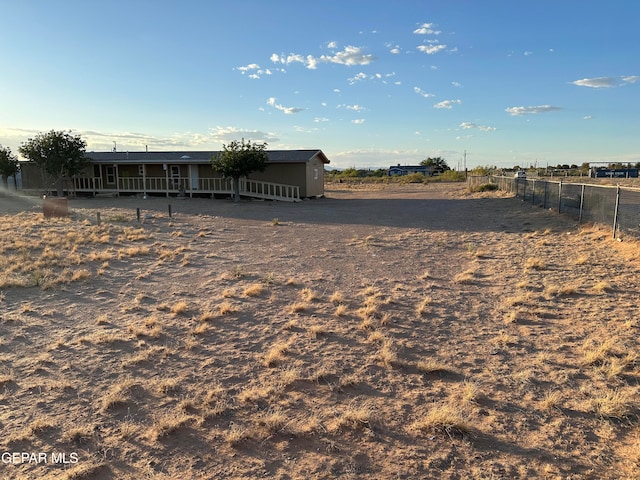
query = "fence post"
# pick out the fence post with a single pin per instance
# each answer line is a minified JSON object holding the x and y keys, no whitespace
{"x":560,"y":196}
{"x":615,"y":214}
{"x":544,"y":200}
{"x":533,"y":192}
{"x":581,"y":203}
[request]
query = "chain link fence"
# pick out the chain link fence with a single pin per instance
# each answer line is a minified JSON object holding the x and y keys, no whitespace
{"x":616,"y":206}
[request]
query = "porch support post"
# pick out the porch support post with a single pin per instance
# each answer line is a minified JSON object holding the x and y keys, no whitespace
{"x":166,"y":178}
{"x":144,"y":180}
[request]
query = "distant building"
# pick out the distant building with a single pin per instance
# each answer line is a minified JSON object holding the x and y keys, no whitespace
{"x":400,"y":170}
{"x":602,"y":172}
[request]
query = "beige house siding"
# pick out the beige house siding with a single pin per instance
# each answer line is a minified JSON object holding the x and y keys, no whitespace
{"x":293,"y":174}
{"x":315,"y":178}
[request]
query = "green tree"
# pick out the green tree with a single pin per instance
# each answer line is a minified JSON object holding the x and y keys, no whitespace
{"x":58,"y":154}
{"x":9,"y":165}
{"x":437,"y":164}
{"x":239,"y":159}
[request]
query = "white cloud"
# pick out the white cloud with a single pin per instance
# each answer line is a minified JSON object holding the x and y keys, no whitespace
{"x":212,"y":139}
{"x":358,"y":121}
{"x":431,"y":49}
{"x":470,"y":125}
{"x":301,"y":129}
{"x":286,"y":110}
{"x":606,"y":82}
{"x":395,"y":50}
{"x":597,"y":82}
{"x":256,"y":71}
{"x":456,"y":84}
{"x":355,"y":108}
{"x":320,"y":119}
{"x":526,"y":54}
{"x":448,"y":104}
{"x":426,"y":29}
{"x":588,"y":117}
{"x":312,"y":63}
{"x":248,"y":68}
{"x":419,"y":91}
{"x":228,"y":134}
{"x":349,"y":56}
{"x":359,"y":77}
{"x":519,"y":111}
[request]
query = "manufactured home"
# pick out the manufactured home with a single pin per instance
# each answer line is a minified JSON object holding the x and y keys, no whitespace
{"x":290,"y":175}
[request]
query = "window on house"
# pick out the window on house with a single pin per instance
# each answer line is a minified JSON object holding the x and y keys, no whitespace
{"x":315,"y":173}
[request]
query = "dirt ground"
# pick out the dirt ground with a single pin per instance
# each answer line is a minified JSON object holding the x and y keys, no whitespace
{"x":382,"y":332}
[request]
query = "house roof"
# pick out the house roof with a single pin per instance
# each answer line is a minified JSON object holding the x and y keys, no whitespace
{"x":275,"y":156}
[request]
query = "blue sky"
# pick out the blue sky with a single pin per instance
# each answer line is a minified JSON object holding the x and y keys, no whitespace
{"x":371,"y":83}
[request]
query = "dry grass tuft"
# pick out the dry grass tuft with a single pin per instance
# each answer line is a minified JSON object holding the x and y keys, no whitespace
{"x":602,"y":287}
{"x":616,"y":404}
{"x":167,"y":423}
{"x":551,"y":291}
{"x":387,"y":355}
{"x":273,"y":421}
{"x":118,"y":395}
{"x":551,"y":400}
{"x":308,"y":295}
{"x":235,"y":435}
{"x":179,"y":307}
{"x":423,"y":307}
{"x":431,"y":365}
{"x":466,"y":277}
{"x":356,"y":415}
{"x":336,"y":298}
{"x":276,"y":354}
{"x":534,"y":263}
{"x":225,"y":308}
{"x":442,"y":418}
{"x":254,"y":290}
{"x":341,"y":310}
{"x":298,"y":307}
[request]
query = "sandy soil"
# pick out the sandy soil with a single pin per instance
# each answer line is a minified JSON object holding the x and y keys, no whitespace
{"x":414,"y":331}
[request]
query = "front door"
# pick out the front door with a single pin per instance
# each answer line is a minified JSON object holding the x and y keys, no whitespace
{"x":110,"y":175}
{"x":175,"y":176}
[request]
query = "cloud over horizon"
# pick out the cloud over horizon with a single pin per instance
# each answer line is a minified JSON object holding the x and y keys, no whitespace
{"x":605,"y":82}
{"x":286,"y":110}
{"x":519,"y":111}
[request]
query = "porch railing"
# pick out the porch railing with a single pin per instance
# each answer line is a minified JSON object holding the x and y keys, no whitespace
{"x":269,"y":190}
{"x":248,"y":187}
